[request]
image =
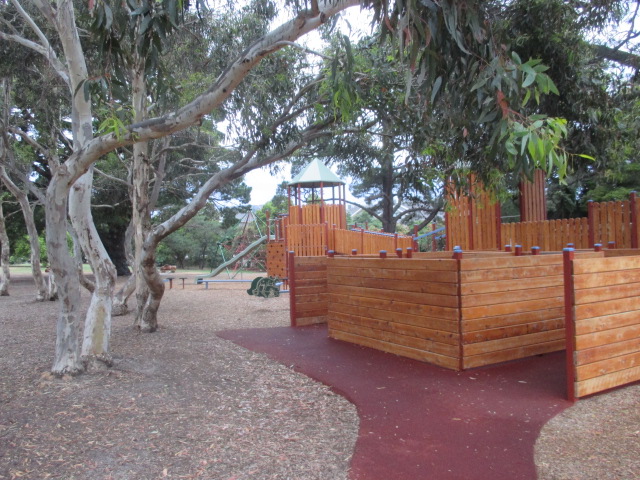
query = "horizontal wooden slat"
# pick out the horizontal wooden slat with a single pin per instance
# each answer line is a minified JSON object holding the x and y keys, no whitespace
{"x":608,"y":336}
{"x":610,"y":307}
{"x":510,"y":274}
{"x":467,"y":264}
{"x":441,"y":360}
{"x":314,"y":297}
{"x":434,"y":301}
{"x":503,"y":297}
{"x":449,"y":338}
{"x":603,"y":352}
{"x":599,"y":294}
{"x":483,"y":323}
{"x":512,"y":331}
{"x":396,"y":338}
{"x":513,"y":342}
{"x":396,"y":285}
{"x":511,"y":286}
{"x":395,"y":263}
{"x":381,"y":310}
{"x":314,"y":289}
{"x":605,"y":382}
{"x":397,"y":306}
{"x":434,"y":276}
{"x":511,"y":308}
{"x":607,"y":322}
{"x":593,"y":265}
{"x":320,"y":274}
{"x":513,"y":353}
{"x":609,"y":365}
{"x":603,"y":279}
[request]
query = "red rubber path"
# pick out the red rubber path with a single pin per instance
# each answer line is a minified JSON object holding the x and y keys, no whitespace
{"x":418,"y":421}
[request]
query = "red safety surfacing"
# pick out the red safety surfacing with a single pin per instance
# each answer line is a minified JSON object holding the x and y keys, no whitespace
{"x":419,"y":421}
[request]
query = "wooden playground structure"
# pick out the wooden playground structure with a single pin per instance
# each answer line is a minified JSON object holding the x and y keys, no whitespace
{"x":320,"y":225}
{"x":473,"y":307}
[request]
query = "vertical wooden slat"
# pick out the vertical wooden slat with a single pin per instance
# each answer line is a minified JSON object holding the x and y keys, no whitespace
{"x":568,"y":256}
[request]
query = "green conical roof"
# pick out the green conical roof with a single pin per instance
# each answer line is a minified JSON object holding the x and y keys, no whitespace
{"x":315,"y":174}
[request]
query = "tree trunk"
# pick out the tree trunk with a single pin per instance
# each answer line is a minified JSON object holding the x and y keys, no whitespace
{"x":5,"y":275}
{"x":34,"y":243}
{"x":67,"y":355}
{"x":388,"y":219}
{"x":149,"y":319}
{"x":141,"y":215}
{"x":97,"y":325}
{"x":120,"y":306}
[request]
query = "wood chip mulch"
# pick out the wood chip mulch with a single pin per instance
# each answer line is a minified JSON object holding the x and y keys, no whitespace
{"x":179,"y":403}
{"x":183,"y":403}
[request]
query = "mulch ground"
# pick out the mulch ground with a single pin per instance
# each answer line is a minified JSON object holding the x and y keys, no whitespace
{"x":179,"y":403}
{"x":185,"y":403}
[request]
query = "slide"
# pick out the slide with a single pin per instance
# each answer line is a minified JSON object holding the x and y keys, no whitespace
{"x":233,"y":260}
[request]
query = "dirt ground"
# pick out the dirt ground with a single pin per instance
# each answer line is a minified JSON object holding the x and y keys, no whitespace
{"x":183,"y":403}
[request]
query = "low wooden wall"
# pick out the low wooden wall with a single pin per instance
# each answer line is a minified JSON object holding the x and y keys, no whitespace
{"x":511,"y":307}
{"x":308,"y":290}
{"x":603,"y":323}
{"x":404,"y":306}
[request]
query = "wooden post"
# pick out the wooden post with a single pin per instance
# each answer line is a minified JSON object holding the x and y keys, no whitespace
{"x":326,"y":236}
{"x":457,"y":255}
{"x":592,"y":223}
{"x":409,"y":252}
{"x":434,"y":244}
{"x":446,"y":231}
{"x":471,"y":203}
{"x":535,"y":250}
{"x":569,"y":322}
{"x":362,"y":240}
{"x":414,"y":243}
{"x":268,"y":215}
{"x":395,"y":241}
{"x":383,"y":254}
{"x":498,"y":226}
{"x":291,"y":274}
{"x":634,"y":220}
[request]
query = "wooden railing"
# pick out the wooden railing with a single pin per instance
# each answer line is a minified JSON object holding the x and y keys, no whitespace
{"x":549,"y":235}
{"x":473,"y":226}
{"x":317,"y":240}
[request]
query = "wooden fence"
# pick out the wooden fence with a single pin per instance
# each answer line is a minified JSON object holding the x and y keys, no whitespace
{"x":307,"y":290}
{"x":317,"y":240}
{"x":402,"y":306}
{"x":473,"y":222}
{"x":459,"y":314}
{"x":602,"y":310}
{"x":549,"y":235}
{"x":472,"y":226}
{"x":316,"y":214}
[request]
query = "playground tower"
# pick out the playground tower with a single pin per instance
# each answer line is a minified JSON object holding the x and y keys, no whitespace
{"x":317,"y":223}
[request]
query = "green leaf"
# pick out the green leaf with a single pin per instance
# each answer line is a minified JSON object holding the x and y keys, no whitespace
{"x":529,"y":79}
{"x":436,"y":88}
{"x":588,"y":157}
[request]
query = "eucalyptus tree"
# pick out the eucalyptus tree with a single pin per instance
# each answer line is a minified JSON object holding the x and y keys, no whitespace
{"x":5,"y":252}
